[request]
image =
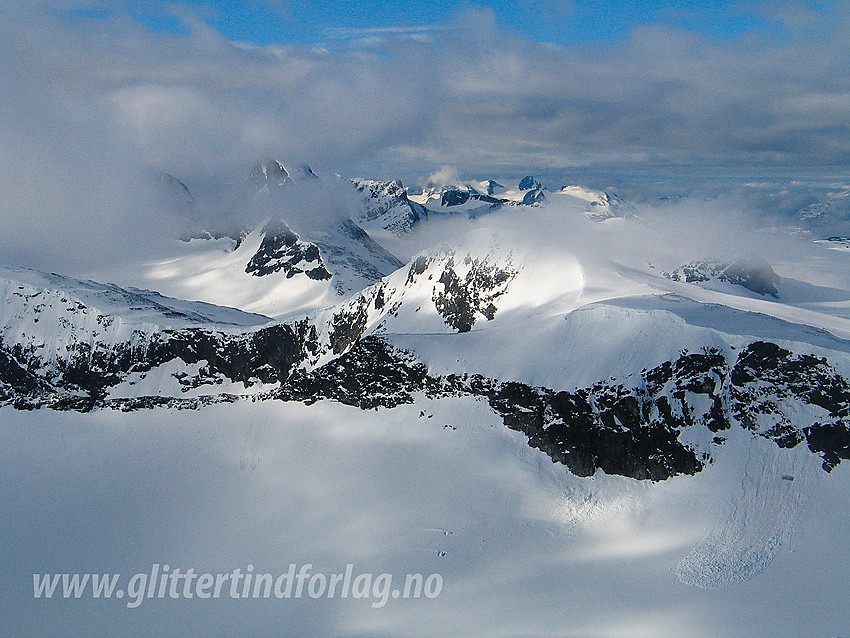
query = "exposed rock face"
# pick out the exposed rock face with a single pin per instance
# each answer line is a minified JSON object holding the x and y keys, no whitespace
{"x":756,"y":276}
{"x":76,"y":345}
{"x":529,"y":183}
{"x":16,"y":380}
{"x":342,"y":251}
{"x":630,"y":427}
{"x":604,"y":427}
{"x":347,"y":326}
{"x":451,"y":196}
{"x":492,"y":186}
{"x":294,"y":240}
{"x":387,"y":204}
{"x":455,"y":197}
{"x":351,"y":249}
{"x":282,"y":250}
{"x":767,"y":378}
{"x":534,"y":196}
{"x":464,"y":298}
{"x":266,"y":355}
{"x":472,"y":197}
{"x":369,"y":375}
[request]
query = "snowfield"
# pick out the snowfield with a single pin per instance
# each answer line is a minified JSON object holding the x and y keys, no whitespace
{"x":590,"y":417}
{"x":528,"y":548}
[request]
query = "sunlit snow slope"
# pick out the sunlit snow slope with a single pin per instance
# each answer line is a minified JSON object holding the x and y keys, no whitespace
{"x":592,"y":418}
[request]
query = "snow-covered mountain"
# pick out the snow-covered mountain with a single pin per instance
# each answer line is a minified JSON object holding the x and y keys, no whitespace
{"x":68,"y":344}
{"x":611,"y":365}
{"x":600,"y":205}
{"x":387,"y":206}
{"x":282,"y":242}
{"x":478,"y":197}
{"x":277,"y":242}
{"x":655,"y":397}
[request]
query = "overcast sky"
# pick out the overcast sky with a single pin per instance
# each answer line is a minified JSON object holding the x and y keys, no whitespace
{"x":93,"y":94}
{"x":474,"y":86}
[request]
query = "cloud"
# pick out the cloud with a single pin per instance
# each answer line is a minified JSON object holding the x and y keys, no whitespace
{"x":446,"y":175}
{"x":90,"y":105}
{"x":347,"y":33}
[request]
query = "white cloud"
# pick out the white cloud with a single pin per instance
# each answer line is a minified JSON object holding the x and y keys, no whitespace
{"x":446,"y":175}
{"x":95,"y":104}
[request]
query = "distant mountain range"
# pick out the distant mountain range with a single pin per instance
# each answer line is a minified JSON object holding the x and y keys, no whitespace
{"x":597,"y":330}
{"x":603,"y":362}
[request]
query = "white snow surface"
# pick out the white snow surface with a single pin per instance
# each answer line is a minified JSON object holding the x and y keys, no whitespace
{"x":523,"y":547}
{"x":211,"y":270}
{"x":51,"y":315}
{"x":747,"y":547}
{"x":589,"y":300}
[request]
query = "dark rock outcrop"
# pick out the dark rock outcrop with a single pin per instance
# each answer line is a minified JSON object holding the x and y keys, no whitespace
{"x":529,"y":183}
{"x":631,"y":426}
{"x":282,"y":250}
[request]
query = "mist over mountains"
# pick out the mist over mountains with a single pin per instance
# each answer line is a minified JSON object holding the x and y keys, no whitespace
{"x":86,"y":125}
{"x":557,"y":315}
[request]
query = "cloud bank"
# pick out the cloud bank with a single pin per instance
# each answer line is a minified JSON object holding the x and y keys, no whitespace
{"x":90,"y":106}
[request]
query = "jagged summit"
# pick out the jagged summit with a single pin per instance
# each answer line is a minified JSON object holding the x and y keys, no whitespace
{"x":528,"y":183}
{"x":269,"y":172}
{"x":387,"y":206}
{"x":278,"y":242}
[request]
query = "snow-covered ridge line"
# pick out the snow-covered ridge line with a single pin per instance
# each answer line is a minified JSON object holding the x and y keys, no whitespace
{"x":440,"y":291}
{"x":387,"y":205}
{"x":631,"y":426}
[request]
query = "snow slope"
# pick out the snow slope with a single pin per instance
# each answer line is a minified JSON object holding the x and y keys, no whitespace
{"x":276,"y":243}
{"x":535,"y":405}
{"x":584,"y":301}
{"x":523,"y":547}
{"x":214,"y":271}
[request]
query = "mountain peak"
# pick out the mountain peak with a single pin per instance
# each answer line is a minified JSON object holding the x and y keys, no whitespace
{"x":270,"y":171}
{"x":528,"y":183}
{"x":492,"y":186}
